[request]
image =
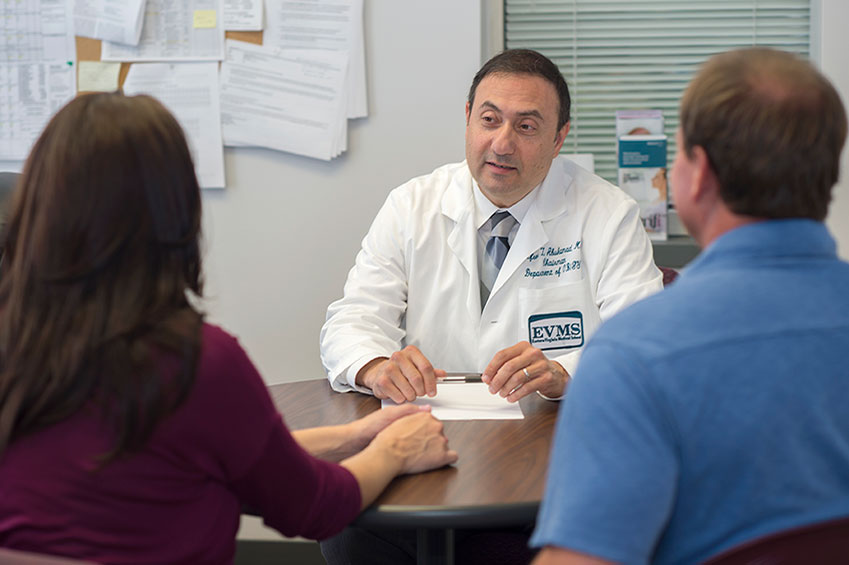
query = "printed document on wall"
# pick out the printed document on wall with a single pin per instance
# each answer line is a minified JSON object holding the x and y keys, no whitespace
{"x":34,"y":31}
{"x":111,"y":20}
{"x":324,"y":24}
{"x":30,"y":93}
{"x":285,"y":99}
{"x":243,"y":15}
{"x":190,"y":92}
{"x":37,"y":78}
{"x":188,"y":30}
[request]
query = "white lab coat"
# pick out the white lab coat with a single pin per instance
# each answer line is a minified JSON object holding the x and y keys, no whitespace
{"x":580,"y":255}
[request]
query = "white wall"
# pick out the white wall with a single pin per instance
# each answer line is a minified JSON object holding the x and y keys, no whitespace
{"x":281,"y":238}
{"x":834,"y":48}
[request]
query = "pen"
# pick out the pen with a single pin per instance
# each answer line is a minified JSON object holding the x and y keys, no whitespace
{"x":460,"y":378}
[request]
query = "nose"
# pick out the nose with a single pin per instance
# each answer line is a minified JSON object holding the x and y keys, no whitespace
{"x":503,"y":142}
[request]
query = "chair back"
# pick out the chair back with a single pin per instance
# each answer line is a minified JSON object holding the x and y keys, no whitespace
{"x":15,"y":557}
{"x":823,"y":543}
{"x":8,"y":181}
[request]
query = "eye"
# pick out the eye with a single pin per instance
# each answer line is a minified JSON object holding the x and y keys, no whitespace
{"x":527,"y":127}
{"x":489,"y":118}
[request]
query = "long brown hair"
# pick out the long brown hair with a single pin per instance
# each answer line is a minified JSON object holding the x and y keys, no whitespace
{"x":101,"y":251}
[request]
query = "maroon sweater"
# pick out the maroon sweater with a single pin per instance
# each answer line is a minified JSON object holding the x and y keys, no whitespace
{"x":178,"y":500}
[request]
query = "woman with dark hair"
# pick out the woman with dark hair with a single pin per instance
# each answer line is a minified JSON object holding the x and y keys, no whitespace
{"x":130,"y":429}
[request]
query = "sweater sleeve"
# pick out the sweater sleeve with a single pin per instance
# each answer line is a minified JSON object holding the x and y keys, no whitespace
{"x":296,"y":493}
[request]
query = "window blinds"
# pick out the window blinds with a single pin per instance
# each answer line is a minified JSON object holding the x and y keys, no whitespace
{"x":634,"y":55}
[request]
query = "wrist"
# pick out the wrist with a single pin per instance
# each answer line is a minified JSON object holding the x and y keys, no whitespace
{"x":387,"y":454}
{"x":363,"y":377}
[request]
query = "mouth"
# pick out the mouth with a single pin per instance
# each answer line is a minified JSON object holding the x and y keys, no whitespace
{"x":499,"y":167}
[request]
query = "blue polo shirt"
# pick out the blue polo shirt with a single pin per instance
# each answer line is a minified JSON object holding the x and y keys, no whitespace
{"x":713,"y":412}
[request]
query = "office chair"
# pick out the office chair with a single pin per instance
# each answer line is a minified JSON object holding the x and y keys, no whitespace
{"x":14,"y":557}
{"x":8,"y":181}
{"x":823,"y":543}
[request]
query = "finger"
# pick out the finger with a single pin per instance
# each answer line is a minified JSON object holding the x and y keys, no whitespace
{"x":500,"y":358}
{"x":509,"y":376}
{"x":404,"y":387}
{"x":425,"y":369}
{"x":403,"y":359}
{"x":392,"y":413}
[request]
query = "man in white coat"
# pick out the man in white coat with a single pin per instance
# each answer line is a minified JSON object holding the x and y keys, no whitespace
{"x":445,"y":281}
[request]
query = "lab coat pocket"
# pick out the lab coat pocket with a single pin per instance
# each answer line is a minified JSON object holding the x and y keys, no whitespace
{"x":556,"y":319}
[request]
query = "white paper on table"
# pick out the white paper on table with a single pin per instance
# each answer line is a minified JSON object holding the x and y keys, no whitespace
{"x":324,"y":24}
{"x":169,"y":34}
{"x":110,"y":20}
{"x":97,"y":76}
{"x":35,"y":31}
{"x":190,"y":92}
{"x":30,"y":93}
{"x":467,"y":401}
{"x":243,"y":15}
{"x":284,"y":99}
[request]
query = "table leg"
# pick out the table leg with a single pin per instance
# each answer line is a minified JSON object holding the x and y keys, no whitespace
{"x":435,"y":546}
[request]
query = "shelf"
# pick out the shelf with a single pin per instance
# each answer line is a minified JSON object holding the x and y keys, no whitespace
{"x":675,"y":252}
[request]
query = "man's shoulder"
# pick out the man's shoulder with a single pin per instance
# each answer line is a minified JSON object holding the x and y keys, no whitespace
{"x":426,"y":191}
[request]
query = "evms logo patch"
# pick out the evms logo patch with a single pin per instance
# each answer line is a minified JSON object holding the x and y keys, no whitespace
{"x":563,"y":330}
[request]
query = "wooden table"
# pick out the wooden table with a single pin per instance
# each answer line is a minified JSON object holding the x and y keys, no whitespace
{"x":497,"y":482}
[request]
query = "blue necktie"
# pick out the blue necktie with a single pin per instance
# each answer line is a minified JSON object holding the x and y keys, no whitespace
{"x":500,"y":224}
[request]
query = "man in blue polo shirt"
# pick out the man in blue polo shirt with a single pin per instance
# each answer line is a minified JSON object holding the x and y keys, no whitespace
{"x":715,"y":412}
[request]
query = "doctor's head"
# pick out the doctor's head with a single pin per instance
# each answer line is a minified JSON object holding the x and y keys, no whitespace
{"x":767,"y":129}
{"x":517,"y":116}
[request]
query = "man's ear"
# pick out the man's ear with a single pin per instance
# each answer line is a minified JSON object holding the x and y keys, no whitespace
{"x":704,"y":183}
{"x":561,"y":137}
{"x":468,"y":112}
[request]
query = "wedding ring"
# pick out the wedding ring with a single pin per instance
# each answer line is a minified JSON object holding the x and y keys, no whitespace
{"x":527,"y":374}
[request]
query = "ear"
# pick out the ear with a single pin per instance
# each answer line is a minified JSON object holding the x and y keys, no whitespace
{"x":561,"y":137}
{"x":468,"y":112}
{"x":704,"y":184}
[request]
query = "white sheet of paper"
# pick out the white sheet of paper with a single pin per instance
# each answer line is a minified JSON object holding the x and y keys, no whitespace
{"x":467,"y":401}
{"x":284,"y":99}
{"x":35,"y":31}
{"x":243,"y":15}
{"x":30,"y":93}
{"x":111,"y":20}
{"x":190,"y":92}
{"x":324,"y":24}
{"x":96,"y":76}
{"x":169,"y":34}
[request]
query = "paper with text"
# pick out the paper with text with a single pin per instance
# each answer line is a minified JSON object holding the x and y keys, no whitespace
{"x":30,"y":93}
{"x":467,"y":401}
{"x":169,"y":34}
{"x":110,"y":20}
{"x":190,"y":92}
{"x":324,"y":24}
{"x":35,"y":31}
{"x":97,"y":76}
{"x":285,"y":99}
{"x":243,"y":15}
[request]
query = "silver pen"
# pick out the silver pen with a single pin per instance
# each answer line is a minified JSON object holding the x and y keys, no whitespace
{"x":460,"y":378}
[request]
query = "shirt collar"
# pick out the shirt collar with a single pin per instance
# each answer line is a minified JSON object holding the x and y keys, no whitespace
{"x":484,"y":208}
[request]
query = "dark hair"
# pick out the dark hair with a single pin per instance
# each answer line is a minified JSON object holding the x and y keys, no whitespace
{"x":772,"y":127}
{"x":101,"y":250}
{"x":528,"y":62}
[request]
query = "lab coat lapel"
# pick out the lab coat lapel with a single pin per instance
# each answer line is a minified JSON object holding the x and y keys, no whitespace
{"x":550,"y":202}
{"x":459,"y":207}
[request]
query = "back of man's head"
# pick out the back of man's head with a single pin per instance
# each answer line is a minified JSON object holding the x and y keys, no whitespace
{"x":527,"y":62}
{"x":773,"y":128}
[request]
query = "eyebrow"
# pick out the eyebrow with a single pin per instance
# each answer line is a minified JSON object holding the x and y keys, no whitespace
{"x":526,"y":113}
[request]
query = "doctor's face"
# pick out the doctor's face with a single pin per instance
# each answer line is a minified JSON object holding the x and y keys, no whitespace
{"x":512,"y":135}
